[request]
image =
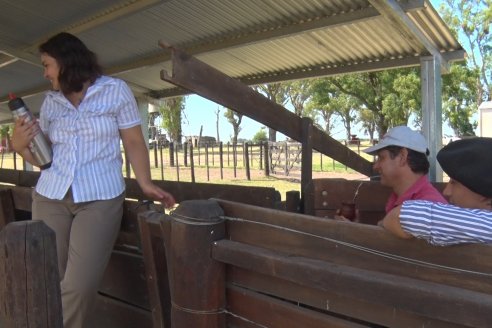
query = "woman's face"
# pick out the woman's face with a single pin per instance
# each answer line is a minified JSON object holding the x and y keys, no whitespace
{"x":51,"y":70}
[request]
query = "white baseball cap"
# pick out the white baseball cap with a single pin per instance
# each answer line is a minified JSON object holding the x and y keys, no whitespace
{"x":401,"y":136}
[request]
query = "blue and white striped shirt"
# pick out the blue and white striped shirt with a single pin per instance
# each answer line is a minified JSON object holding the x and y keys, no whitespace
{"x":445,"y":224}
{"x":86,"y":141}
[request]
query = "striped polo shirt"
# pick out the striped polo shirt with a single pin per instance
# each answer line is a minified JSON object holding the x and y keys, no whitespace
{"x":86,"y":141}
{"x":446,"y":224}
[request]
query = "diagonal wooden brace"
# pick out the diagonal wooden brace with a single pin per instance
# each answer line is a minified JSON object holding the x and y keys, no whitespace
{"x":204,"y":80}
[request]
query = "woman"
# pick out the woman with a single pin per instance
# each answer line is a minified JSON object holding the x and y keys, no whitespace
{"x":81,"y":195}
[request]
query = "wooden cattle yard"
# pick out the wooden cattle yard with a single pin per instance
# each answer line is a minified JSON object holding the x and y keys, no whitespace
{"x":220,"y":263}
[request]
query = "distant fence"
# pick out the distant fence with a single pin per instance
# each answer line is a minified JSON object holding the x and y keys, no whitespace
{"x":276,"y":158}
{"x":184,"y":162}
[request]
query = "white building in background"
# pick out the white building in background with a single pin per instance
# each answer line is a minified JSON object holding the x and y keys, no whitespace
{"x":485,"y":119}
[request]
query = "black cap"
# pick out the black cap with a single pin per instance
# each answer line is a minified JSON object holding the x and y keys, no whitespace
{"x":469,"y":161}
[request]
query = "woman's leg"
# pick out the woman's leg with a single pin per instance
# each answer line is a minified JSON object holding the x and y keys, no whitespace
{"x":57,"y":215}
{"x":92,"y":233}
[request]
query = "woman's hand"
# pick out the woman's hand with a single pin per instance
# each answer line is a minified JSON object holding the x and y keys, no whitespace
{"x":155,"y":193}
{"x":23,"y":133}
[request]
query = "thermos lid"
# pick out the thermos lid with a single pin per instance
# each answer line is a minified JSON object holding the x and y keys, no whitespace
{"x":15,"y":102}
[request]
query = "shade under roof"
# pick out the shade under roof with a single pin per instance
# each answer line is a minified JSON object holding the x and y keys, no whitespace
{"x":256,"y":41}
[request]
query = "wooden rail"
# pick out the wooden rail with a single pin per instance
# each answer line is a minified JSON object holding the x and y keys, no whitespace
{"x":325,"y":196}
{"x":124,"y":300}
{"x":257,"y":267}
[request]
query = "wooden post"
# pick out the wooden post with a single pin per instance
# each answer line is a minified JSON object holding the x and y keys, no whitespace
{"x":246,"y":160}
{"x":156,"y":270}
{"x":185,"y":154}
{"x":196,"y":281}
{"x":266,"y":158}
{"x":177,"y":162}
{"x":29,"y":280}
{"x":7,"y":209}
{"x":307,"y":157}
{"x":206,"y":162}
{"x":162,"y":163}
{"x":260,"y":146}
{"x":228,"y":164}
{"x":192,"y":164}
{"x":292,"y":201}
{"x":171,"y":154}
{"x":234,"y":158}
{"x":221,"y":159}
{"x":286,"y":164}
{"x":251,"y":156}
{"x":156,"y":162}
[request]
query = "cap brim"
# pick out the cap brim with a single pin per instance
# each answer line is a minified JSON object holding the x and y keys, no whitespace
{"x":374,"y":149}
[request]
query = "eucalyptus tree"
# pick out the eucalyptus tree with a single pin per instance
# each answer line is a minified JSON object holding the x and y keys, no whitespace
{"x":276,"y":92}
{"x":235,"y":119}
{"x":470,"y":21}
{"x":171,"y":110}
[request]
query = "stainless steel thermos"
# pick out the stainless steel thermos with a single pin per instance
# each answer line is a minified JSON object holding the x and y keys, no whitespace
{"x":39,"y":146}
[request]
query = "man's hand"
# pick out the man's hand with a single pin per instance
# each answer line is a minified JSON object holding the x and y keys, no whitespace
{"x":391,"y":222}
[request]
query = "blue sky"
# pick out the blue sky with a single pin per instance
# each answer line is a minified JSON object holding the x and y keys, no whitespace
{"x":202,"y":112}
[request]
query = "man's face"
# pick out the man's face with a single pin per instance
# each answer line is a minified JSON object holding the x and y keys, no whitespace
{"x":460,"y":195}
{"x":387,"y":167}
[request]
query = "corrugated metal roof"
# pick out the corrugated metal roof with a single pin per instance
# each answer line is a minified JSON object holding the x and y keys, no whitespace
{"x":253,"y":40}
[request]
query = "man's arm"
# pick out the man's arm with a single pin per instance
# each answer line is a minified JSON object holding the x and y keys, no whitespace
{"x":391,"y":222}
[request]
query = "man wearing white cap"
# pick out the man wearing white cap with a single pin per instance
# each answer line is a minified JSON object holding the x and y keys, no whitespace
{"x":468,"y":163}
{"x":403,"y":166}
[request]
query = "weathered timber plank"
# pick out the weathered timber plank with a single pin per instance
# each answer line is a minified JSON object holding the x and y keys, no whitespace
{"x":7,"y":210}
{"x":445,"y":303}
{"x":200,"y":78}
{"x":29,"y":281}
{"x":110,"y":313}
{"x":19,"y":178}
{"x":124,"y":279}
{"x":364,"y":246}
{"x":22,"y":197}
{"x":328,"y":194}
{"x":386,"y":315}
{"x":260,"y":196}
{"x":156,"y":271}
{"x":274,"y":313}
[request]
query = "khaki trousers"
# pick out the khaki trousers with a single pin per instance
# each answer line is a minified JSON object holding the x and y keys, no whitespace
{"x":85,"y":236}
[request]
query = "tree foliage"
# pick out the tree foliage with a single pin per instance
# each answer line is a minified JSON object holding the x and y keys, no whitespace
{"x":260,"y":136}
{"x":459,"y":99}
{"x":170,"y":110}
{"x":235,"y":119}
{"x":391,"y":96}
{"x":470,"y":21}
{"x":276,"y":92}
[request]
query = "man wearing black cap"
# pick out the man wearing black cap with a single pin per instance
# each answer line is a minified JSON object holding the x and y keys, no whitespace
{"x":468,"y":163}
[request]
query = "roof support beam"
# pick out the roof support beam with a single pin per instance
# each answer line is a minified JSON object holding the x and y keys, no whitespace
{"x":430,"y":77}
{"x":317,"y":71}
{"x":204,"y":80}
{"x":397,"y":17}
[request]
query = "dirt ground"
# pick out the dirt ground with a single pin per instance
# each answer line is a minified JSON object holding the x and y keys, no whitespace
{"x":228,"y":175}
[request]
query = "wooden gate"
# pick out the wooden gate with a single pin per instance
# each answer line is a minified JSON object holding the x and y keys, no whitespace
{"x":285,"y":158}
